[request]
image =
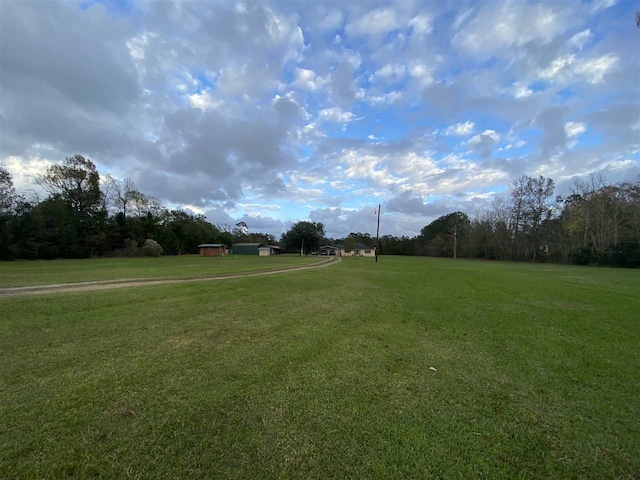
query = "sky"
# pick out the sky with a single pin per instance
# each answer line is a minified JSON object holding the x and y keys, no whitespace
{"x":274,"y":112}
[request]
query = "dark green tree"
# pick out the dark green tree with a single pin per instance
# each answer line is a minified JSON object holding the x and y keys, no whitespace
{"x":349,"y":244}
{"x":306,"y":235}
{"x":7,"y":198}
{"x":437,"y":238}
{"x":75,"y":181}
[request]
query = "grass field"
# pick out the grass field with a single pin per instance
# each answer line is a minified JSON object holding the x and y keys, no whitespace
{"x":42,"y":272}
{"x":326,"y":374}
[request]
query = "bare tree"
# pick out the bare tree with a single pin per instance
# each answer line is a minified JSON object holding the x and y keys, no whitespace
{"x":7,"y":191}
{"x":120,"y":193}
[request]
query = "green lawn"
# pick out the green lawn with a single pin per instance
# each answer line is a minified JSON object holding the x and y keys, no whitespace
{"x":46,"y":272}
{"x":326,"y":374}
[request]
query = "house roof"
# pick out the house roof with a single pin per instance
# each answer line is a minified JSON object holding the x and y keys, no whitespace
{"x":205,"y":245}
{"x":249,"y":245}
{"x":362,"y":246}
{"x":329,"y":246}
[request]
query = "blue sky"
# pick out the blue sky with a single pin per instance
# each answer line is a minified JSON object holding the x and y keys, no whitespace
{"x":272,"y":112}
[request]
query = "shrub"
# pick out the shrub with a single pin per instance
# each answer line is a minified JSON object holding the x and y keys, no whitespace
{"x":151,"y":248}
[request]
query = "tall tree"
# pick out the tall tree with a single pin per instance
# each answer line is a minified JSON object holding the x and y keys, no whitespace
{"x":119,"y":194}
{"x":7,"y":191}
{"x":532,"y":203}
{"x":349,"y":244}
{"x":437,"y":238}
{"x":7,"y":197}
{"x":303,"y":234}
{"x":76,"y":181}
{"x":241,"y":232}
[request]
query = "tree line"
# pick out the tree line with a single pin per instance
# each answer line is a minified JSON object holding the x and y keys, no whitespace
{"x":596,"y":224}
{"x":85,"y":215}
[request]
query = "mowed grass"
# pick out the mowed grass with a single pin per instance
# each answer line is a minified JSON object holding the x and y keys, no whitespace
{"x":326,"y":374}
{"x":47,"y":272}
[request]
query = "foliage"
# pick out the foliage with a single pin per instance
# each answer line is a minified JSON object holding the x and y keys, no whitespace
{"x":151,"y":248}
{"x":76,"y":181}
{"x":349,"y":244}
{"x":303,"y":235}
{"x":7,"y":191}
{"x":437,"y":238}
{"x":83,"y":217}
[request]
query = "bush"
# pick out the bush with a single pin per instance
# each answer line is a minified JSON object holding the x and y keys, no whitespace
{"x":151,"y":248}
{"x":131,"y":249}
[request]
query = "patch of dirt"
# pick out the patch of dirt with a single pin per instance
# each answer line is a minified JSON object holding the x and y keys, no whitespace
{"x":129,"y":283}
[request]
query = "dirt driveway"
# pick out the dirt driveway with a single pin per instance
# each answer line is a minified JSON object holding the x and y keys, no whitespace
{"x":140,"y":282}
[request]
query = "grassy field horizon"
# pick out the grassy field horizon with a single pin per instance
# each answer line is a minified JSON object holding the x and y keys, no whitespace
{"x":409,"y":367}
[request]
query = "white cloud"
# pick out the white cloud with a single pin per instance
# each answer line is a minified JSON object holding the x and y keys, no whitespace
{"x":461,"y":18}
{"x":138,"y":43}
{"x":460,"y":129}
{"x":335,"y":114}
{"x":421,"y":24}
{"x":25,"y":171}
{"x":521,"y":91}
{"x":386,"y":98}
{"x":421,"y":72}
{"x":331,"y":20}
{"x":203,"y":101}
{"x":367,"y":167}
{"x":411,"y":164}
{"x":500,"y":26}
{"x":595,"y":70}
{"x":253,"y":207}
{"x":565,"y":67}
{"x":390,"y":70}
{"x":579,"y":40}
{"x":381,"y":20}
{"x":599,"y":5}
{"x":492,"y":134}
{"x":305,"y":79}
{"x":557,"y":66}
{"x":573,"y":129}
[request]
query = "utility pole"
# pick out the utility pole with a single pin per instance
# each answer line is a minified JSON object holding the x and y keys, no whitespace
{"x":378,"y":235}
{"x":455,"y":241}
{"x":302,"y":247}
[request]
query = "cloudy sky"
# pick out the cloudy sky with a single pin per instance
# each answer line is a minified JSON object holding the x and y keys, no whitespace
{"x":270,"y":112}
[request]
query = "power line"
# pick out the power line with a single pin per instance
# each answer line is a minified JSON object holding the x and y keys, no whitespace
{"x":352,"y":228}
{"x":404,"y":222}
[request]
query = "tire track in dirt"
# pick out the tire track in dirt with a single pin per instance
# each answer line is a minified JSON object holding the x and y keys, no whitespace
{"x":141,"y":282}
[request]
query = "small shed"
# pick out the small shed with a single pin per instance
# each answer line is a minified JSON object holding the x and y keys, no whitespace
{"x":247,"y":248}
{"x":266,"y":250}
{"x":213,"y":250}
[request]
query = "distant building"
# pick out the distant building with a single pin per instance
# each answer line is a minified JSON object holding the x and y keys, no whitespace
{"x":359,"y":250}
{"x":266,"y":250}
{"x":329,"y":250}
{"x":213,"y":250}
{"x":261,"y":249}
